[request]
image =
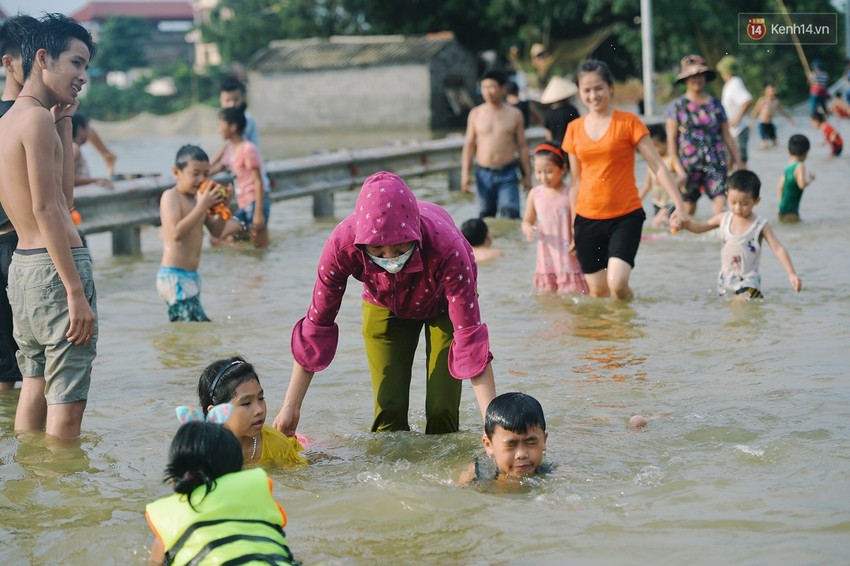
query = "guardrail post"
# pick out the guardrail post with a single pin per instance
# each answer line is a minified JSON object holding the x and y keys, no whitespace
{"x":323,"y":204}
{"x":454,"y":179}
{"x":127,"y":241}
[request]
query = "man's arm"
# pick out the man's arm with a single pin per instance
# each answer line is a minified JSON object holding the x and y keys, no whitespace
{"x":468,"y":151}
{"x":522,"y":148}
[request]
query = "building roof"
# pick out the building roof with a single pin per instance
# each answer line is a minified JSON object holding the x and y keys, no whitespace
{"x":99,"y":11}
{"x":343,"y":52}
{"x":2,"y":14}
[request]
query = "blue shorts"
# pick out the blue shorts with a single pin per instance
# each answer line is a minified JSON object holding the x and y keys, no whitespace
{"x":498,"y":191}
{"x":245,"y":215}
{"x":181,"y":291}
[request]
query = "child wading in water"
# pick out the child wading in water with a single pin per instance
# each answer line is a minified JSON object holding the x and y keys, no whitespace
{"x":184,"y":212}
{"x":794,"y":180}
{"x":662,"y":204}
{"x":243,"y":159}
{"x":218,"y":513}
{"x":830,"y":136}
{"x":741,"y":235}
{"x":548,"y":216}
{"x":233,"y":380}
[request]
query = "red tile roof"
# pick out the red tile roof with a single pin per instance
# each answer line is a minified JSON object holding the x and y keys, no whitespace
{"x":98,"y":11}
{"x":2,"y":14}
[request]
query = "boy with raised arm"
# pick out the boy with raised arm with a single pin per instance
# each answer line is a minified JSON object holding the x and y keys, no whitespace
{"x":51,"y":288}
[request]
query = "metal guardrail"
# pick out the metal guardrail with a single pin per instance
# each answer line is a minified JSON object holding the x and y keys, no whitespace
{"x":135,"y":203}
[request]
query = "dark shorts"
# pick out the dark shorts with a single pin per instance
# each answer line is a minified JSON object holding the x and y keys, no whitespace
{"x":599,"y":240}
{"x":9,"y":371}
{"x":767,"y":132}
{"x":835,"y":149}
{"x":750,"y":292}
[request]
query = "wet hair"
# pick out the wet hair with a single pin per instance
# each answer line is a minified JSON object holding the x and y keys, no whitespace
{"x":200,"y":453}
{"x":54,"y":34}
{"x":512,"y":87}
{"x":234,"y":117}
{"x":798,"y":145}
{"x":745,"y":181}
{"x":475,"y":231}
{"x":818,"y":117}
{"x":78,"y":120}
{"x":769,"y":83}
{"x":220,"y":379}
{"x":658,"y":133}
{"x":13,"y":32}
{"x":497,"y":75}
{"x":596,"y":66}
{"x":551,"y":152}
{"x":232,"y":83}
{"x":189,"y":153}
{"x":515,"y":412}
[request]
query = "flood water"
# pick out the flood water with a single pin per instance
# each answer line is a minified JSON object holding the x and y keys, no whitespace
{"x":747,"y":462}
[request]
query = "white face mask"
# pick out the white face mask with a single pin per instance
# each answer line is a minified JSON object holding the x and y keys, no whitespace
{"x":392,"y":264}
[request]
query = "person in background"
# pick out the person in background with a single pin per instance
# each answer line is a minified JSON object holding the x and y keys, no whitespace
{"x":736,"y":100}
{"x":818,"y":88}
{"x":662,"y":205}
{"x":530,"y":114}
{"x":495,"y":138}
{"x":80,"y":135}
{"x":830,"y":136}
{"x":477,"y":233}
{"x":559,"y":108}
{"x":763,"y":111}
{"x":794,"y":179}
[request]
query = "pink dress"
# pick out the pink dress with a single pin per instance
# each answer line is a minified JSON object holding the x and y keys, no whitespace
{"x":557,"y":269}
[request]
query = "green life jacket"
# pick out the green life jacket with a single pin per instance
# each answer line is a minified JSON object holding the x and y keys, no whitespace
{"x":238,"y":522}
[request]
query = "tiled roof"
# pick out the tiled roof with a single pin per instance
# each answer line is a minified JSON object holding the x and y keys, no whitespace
{"x":342,"y":52}
{"x":98,"y":11}
{"x":2,"y":14}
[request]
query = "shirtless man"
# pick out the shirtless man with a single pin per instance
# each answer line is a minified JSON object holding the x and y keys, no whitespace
{"x":763,"y":112}
{"x":51,"y":288}
{"x":495,"y":136}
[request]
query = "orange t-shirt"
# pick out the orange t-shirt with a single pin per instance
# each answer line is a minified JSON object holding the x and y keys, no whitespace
{"x":607,"y":188}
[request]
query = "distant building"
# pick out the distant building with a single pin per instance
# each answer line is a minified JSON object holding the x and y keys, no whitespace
{"x":206,"y":54}
{"x":169,"y":22}
{"x":362,"y":82}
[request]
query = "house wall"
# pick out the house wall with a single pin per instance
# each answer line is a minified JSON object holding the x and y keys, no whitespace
{"x":370,"y":98}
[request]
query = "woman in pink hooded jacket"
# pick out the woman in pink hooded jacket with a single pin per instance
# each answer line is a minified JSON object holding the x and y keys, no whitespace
{"x":417,"y":270}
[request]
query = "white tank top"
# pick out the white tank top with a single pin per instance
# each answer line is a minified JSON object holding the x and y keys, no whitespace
{"x":740,"y":255}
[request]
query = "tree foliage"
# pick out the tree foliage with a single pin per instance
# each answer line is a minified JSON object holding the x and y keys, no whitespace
{"x":121,"y":45}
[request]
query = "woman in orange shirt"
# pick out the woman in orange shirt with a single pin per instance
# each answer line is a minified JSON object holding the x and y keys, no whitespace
{"x":608,"y":215}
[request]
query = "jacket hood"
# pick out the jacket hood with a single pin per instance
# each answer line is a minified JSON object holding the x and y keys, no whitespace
{"x":386,"y":213}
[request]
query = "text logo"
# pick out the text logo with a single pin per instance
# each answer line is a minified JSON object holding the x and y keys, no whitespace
{"x":756,"y":28}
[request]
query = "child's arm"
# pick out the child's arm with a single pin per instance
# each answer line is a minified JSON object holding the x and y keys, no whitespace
{"x":178,"y":227}
{"x":529,"y":218}
{"x":157,"y":553}
{"x":757,"y":107}
{"x":259,"y":214}
{"x":653,"y":161}
{"x":216,"y":165}
{"x":782,"y":255}
{"x":109,"y":158}
{"x":781,"y":186}
{"x":468,"y":151}
{"x":698,"y":227}
{"x":800,"y":176}
{"x":785,"y":113}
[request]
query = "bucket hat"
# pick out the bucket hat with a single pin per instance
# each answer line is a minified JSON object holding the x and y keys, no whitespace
{"x":693,"y":65}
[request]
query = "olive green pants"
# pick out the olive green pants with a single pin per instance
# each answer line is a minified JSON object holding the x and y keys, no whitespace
{"x":390,"y":347}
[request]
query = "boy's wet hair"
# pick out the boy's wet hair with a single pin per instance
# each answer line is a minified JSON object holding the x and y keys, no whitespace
{"x":54,"y":34}
{"x":818,"y":117}
{"x":475,"y":231}
{"x":515,"y":412}
{"x":189,"y":153}
{"x":231,"y":84}
{"x":746,"y":182}
{"x":220,"y":379}
{"x":769,"y":83}
{"x":798,"y":145}
{"x":13,"y":32}
{"x":78,"y":120}
{"x":497,"y":75}
{"x":200,"y":453}
{"x":596,"y":66}
{"x":234,"y":117}
{"x":658,"y":133}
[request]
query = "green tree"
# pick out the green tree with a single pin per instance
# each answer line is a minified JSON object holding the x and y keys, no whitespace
{"x":121,"y":45}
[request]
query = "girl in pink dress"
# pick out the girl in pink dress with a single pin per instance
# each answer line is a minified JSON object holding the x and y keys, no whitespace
{"x":547,"y":215}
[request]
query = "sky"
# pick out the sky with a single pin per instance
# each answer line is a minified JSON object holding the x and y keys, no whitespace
{"x":36,"y":7}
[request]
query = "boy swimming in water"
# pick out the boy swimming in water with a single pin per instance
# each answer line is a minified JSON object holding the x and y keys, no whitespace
{"x":514,"y":439}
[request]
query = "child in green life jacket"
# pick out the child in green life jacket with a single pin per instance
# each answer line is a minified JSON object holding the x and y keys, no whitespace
{"x":218,"y":513}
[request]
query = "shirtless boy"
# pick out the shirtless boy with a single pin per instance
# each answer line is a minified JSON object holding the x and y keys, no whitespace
{"x":495,"y":136}
{"x":763,"y":111}
{"x":51,"y":288}
{"x":184,"y":213}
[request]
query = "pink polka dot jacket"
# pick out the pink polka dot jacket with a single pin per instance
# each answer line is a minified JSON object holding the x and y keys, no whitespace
{"x":440,"y":276}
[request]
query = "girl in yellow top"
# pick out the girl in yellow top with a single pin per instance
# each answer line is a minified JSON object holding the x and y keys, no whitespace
{"x":234,"y":380}
{"x":608,"y":215}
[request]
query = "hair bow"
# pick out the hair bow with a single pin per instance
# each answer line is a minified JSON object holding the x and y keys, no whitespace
{"x":218,"y":414}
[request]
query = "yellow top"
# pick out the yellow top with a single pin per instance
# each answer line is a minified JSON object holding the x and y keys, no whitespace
{"x":280,"y":450}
